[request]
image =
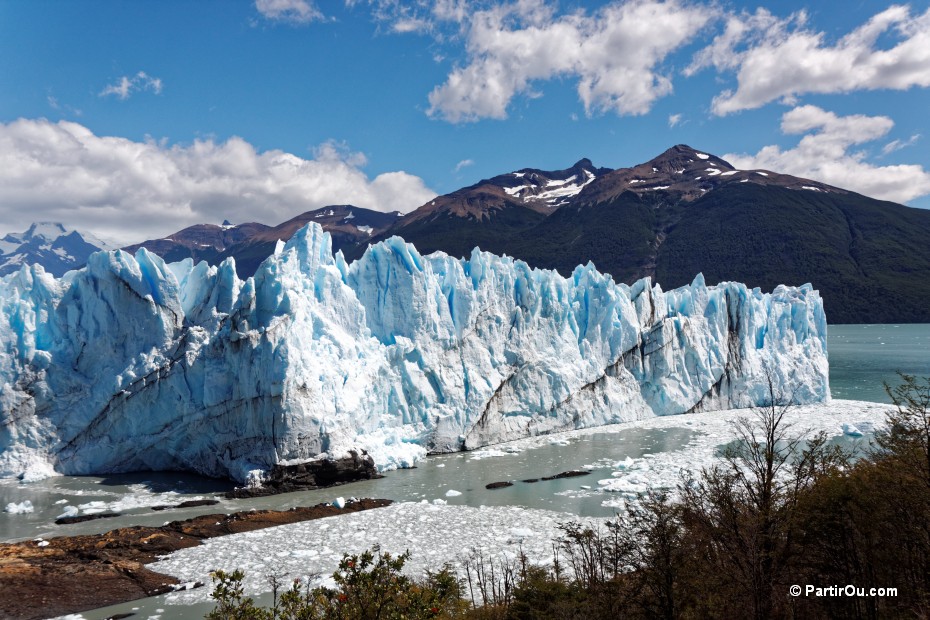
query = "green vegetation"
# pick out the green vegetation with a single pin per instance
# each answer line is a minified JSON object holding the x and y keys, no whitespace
{"x":370,"y":587}
{"x":776,"y":512}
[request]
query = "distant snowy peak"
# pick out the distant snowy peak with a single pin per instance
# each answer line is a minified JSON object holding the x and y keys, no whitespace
{"x":689,"y":173}
{"x":550,"y":189}
{"x":50,"y":244}
{"x":540,"y":191}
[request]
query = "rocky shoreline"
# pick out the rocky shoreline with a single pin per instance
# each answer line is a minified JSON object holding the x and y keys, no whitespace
{"x":69,"y":574}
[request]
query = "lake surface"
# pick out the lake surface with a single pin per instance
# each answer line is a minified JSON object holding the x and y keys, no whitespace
{"x":862,"y":357}
{"x":456,"y":478}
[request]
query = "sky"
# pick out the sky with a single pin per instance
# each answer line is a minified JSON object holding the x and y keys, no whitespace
{"x":133,"y":120}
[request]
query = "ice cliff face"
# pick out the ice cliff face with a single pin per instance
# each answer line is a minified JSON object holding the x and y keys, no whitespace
{"x":132,"y":364}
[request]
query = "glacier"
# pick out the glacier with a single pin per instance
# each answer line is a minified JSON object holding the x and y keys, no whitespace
{"x":133,"y":364}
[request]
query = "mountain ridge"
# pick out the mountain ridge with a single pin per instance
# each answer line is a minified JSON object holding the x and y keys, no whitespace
{"x":683,"y":212}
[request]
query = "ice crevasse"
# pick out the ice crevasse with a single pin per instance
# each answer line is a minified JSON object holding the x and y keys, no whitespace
{"x":133,"y":364}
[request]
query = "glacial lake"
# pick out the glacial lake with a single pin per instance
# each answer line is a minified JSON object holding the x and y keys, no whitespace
{"x":862,"y":357}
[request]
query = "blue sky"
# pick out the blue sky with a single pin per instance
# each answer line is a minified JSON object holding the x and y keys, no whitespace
{"x":134,"y":119}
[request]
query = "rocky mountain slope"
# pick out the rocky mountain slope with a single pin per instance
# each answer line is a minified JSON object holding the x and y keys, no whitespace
{"x":686,"y":212}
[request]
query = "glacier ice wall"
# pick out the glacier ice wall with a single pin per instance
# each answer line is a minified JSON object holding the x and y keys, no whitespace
{"x":131,"y":364}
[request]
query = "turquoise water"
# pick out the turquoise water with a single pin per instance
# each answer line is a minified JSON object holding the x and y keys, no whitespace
{"x":862,"y":357}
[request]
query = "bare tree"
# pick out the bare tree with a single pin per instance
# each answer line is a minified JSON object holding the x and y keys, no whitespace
{"x":742,"y":509}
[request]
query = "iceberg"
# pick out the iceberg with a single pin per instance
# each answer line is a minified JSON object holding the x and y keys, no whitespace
{"x":133,"y":364}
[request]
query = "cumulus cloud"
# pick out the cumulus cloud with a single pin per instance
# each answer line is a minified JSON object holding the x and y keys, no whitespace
{"x":131,"y":190}
{"x":614,"y":53}
{"x":824,"y":154}
{"x":780,"y":59}
{"x":293,"y":11}
{"x":124,"y":87}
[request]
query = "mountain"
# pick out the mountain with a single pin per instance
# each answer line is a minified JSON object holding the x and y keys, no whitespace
{"x":687,"y":212}
{"x":200,"y":242}
{"x":349,"y":227}
{"x":681,"y":213}
{"x":131,"y":364}
{"x":492,"y":212}
{"x":57,"y":248}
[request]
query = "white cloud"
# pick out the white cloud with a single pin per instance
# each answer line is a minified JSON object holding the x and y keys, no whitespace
{"x":293,"y":11}
{"x":777,"y":59}
{"x":615,"y":54}
{"x":823,"y":154}
{"x":136,"y":190}
{"x":126,"y":86}
{"x":674,"y":120}
{"x":425,"y":14}
{"x":463,"y":164}
{"x":897,"y":145}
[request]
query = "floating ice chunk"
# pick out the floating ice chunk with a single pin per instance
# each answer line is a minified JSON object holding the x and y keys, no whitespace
{"x":852,"y":430}
{"x":339,"y":502}
{"x":70,"y":511}
{"x":624,"y":464}
{"x":453,"y":493}
{"x":19,"y":508}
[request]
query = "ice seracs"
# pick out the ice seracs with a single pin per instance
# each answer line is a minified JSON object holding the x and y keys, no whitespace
{"x":133,"y":364}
